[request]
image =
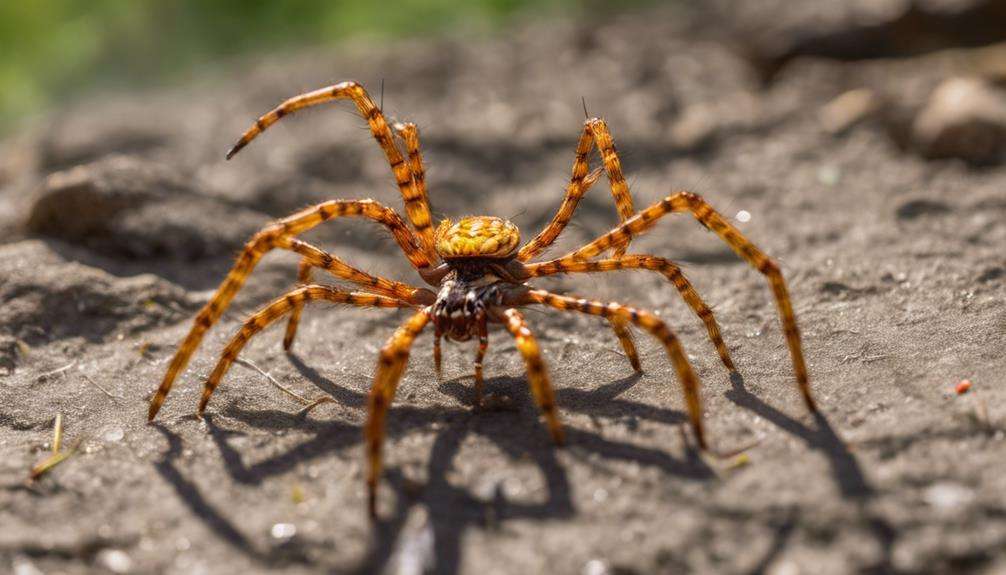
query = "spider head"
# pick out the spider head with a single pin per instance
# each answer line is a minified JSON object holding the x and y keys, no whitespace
{"x":477,"y":237}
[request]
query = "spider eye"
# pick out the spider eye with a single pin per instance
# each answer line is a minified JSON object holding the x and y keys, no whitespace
{"x":477,"y":236}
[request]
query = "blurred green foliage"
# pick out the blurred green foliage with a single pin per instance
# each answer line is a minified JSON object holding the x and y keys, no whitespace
{"x":51,"y":50}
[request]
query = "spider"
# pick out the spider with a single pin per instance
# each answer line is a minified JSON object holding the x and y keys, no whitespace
{"x":480,"y":271}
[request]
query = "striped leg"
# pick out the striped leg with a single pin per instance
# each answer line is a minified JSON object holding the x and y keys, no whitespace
{"x":390,"y":366}
{"x":279,"y":235}
{"x":409,"y":134}
{"x":480,"y":355}
{"x":621,"y":329}
{"x":277,"y":309}
{"x":303,"y":278}
{"x":437,"y":356}
{"x":416,"y":204}
{"x":652,"y":324}
{"x":666,"y":267}
{"x":595,"y":133}
{"x":315,"y":257}
{"x":708,"y":217}
{"x":537,"y":376}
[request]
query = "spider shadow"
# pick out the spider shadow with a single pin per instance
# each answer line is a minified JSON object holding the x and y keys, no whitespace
{"x":821,"y":437}
{"x":450,"y":510}
{"x":845,"y":469}
{"x":217,"y":522}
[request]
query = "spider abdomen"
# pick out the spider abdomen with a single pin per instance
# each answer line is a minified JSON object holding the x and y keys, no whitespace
{"x":477,"y":237}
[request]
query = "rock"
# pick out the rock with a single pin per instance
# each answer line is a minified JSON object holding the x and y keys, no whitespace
{"x":695,"y":128}
{"x":848,"y":109}
{"x":130,"y":207}
{"x":775,"y":32}
{"x":91,"y":130}
{"x":964,"y":118}
{"x":47,"y":297}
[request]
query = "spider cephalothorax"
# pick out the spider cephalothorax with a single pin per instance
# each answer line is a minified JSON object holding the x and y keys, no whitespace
{"x":479,"y":272}
{"x":466,"y":295}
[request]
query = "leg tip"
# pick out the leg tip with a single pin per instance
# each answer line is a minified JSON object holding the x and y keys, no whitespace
{"x":811,"y":404}
{"x":559,"y":436}
{"x":700,"y":438}
{"x":237,"y":148}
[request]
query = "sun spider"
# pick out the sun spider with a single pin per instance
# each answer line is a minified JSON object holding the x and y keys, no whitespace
{"x":480,"y":273}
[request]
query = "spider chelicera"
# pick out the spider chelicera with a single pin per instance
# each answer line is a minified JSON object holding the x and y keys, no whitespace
{"x":480,"y":272}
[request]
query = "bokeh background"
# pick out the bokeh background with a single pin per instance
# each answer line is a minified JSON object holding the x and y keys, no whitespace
{"x":56,"y":49}
{"x":861,"y":144}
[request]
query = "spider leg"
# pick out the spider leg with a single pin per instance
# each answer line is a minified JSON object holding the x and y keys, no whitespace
{"x":409,"y":134}
{"x":595,"y":133}
{"x":280,"y":235}
{"x":315,"y":257}
{"x":710,"y":219}
{"x":278,"y":308}
{"x":391,"y":363}
{"x":437,"y":356}
{"x":667,"y":268}
{"x":303,"y":278}
{"x":416,"y":203}
{"x":621,"y":329}
{"x":480,"y":355}
{"x":537,"y":376}
{"x":652,"y":324}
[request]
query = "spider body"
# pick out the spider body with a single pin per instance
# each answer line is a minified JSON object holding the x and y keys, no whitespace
{"x":484,"y":237}
{"x":480,"y":272}
{"x":467,"y":295}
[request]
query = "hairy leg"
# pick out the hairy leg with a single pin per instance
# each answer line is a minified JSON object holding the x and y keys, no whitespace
{"x":595,"y":133}
{"x":667,"y":268}
{"x":409,"y":133}
{"x":277,"y":309}
{"x":317,"y":258}
{"x":437,"y":356}
{"x":279,"y":235}
{"x":652,"y":324}
{"x":390,"y":366}
{"x":480,"y":355}
{"x":416,"y":204}
{"x":303,"y":278}
{"x":708,"y":217}
{"x":537,"y":375}
{"x":621,"y":329}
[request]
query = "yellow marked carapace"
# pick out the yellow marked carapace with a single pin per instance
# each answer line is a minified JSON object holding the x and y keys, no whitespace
{"x":477,"y":237}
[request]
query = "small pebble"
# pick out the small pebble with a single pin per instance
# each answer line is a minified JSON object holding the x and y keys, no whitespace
{"x":963,"y":386}
{"x":829,"y":175}
{"x":596,"y":567}
{"x":948,"y":496}
{"x":113,"y":434}
{"x":848,"y":109}
{"x":283,"y":531}
{"x":22,"y":566}
{"x":964,"y":118}
{"x":115,"y":560}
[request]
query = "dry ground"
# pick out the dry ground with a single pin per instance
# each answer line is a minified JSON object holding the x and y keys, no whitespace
{"x":119,"y":217}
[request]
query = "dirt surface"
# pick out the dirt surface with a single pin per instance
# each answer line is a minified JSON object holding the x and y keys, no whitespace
{"x":119,"y":218}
